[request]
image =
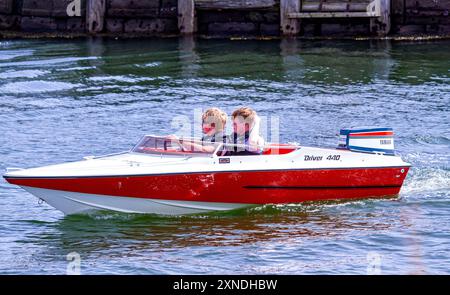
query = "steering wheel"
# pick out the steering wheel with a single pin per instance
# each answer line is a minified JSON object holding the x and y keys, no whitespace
{"x":172,"y":141}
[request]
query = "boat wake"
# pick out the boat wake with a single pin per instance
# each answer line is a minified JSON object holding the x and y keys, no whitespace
{"x":426,"y":180}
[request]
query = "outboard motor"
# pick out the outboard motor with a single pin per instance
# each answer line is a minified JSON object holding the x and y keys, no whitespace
{"x":367,"y":140}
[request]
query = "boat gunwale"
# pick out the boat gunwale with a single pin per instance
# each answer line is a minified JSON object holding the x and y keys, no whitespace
{"x":5,"y":176}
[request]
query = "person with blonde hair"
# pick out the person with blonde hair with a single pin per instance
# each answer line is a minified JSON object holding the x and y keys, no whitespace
{"x":213,"y":125}
{"x":245,"y":138}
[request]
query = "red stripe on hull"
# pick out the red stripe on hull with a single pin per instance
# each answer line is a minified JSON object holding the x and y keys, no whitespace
{"x":384,"y":133}
{"x":251,"y":187}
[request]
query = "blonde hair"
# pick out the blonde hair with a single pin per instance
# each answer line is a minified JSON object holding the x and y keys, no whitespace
{"x":217,"y":116}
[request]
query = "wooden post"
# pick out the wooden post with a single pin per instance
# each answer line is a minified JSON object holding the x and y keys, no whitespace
{"x":385,"y":17}
{"x":186,"y":17}
{"x":95,"y":15}
{"x":383,"y":22}
{"x":289,"y":26}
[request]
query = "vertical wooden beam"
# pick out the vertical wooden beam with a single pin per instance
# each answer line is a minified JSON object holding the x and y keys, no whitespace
{"x":186,"y":17}
{"x":95,"y":15}
{"x":382,"y":24}
{"x":385,"y":17}
{"x":289,"y":26}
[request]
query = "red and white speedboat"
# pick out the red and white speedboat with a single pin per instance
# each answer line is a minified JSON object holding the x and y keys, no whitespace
{"x":159,"y":176}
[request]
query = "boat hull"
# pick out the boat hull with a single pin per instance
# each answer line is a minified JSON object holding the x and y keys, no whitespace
{"x":186,"y":193}
{"x":79,"y":203}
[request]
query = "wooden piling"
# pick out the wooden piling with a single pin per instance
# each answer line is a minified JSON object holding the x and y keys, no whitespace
{"x":95,"y":15}
{"x":289,"y":26}
{"x":186,"y":17}
{"x":382,"y":24}
{"x":385,"y":17}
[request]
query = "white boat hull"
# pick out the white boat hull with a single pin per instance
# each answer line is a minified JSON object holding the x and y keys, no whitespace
{"x":79,"y":203}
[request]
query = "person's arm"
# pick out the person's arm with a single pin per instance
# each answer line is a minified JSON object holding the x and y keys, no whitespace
{"x":192,"y":146}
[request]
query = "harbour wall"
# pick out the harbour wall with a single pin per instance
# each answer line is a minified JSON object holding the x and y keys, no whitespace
{"x":223,"y":18}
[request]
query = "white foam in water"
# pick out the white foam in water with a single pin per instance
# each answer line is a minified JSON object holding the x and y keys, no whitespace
{"x":36,"y":87}
{"x":77,"y":69}
{"x":22,"y":74}
{"x":150,"y":65}
{"x":113,"y":79}
{"x":126,"y":79}
{"x":426,"y":179}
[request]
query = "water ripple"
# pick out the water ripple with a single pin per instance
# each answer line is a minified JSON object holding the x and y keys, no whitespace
{"x":46,"y":62}
{"x":36,"y":87}
{"x":22,"y":74}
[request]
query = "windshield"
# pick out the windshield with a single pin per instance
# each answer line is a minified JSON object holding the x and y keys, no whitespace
{"x":174,"y":146}
{"x":171,"y":145}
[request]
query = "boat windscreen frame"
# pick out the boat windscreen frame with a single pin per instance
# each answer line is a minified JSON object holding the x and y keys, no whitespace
{"x":214,"y":154}
{"x":165,"y":151}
